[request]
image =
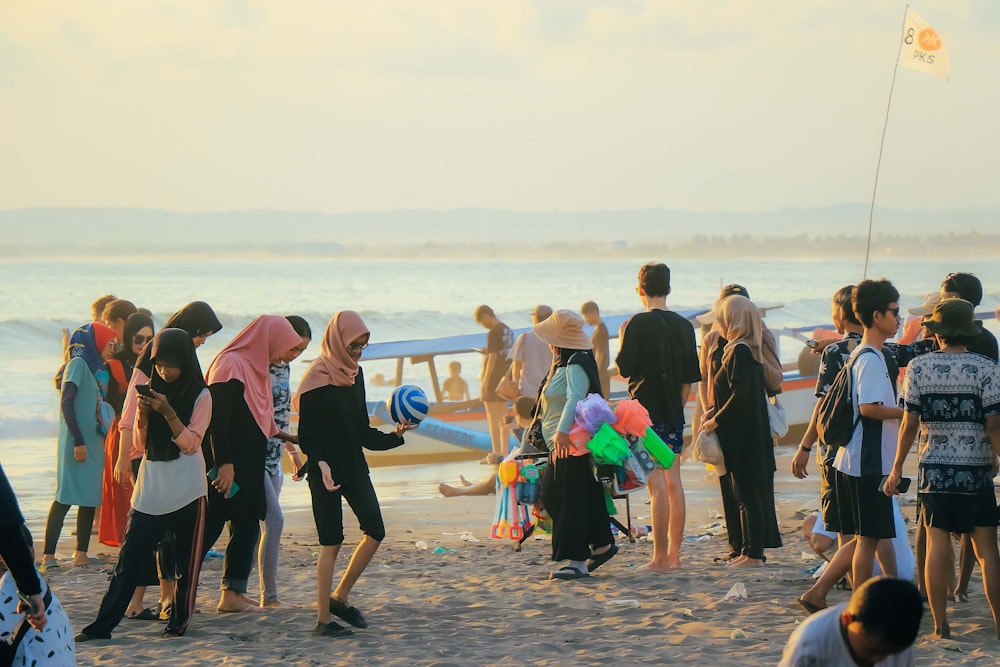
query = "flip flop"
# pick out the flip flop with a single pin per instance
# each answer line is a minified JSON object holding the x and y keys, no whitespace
{"x":569,"y":572}
{"x":349,"y":614}
{"x":146,"y":614}
{"x":48,"y":566}
{"x":332,"y":629}
{"x":600,"y":559}
{"x":809,"y":606}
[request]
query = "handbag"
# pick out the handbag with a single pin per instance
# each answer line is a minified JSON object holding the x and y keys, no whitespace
{"x":706,"y":448}
{"x":507,"y":389}
{"x":533,"y":436}
{"x":776,"y":416}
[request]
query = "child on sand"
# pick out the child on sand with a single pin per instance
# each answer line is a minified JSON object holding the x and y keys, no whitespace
{"x":455,"y":387}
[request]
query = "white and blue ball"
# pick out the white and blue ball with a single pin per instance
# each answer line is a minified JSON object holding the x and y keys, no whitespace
{"x":408,"y":403}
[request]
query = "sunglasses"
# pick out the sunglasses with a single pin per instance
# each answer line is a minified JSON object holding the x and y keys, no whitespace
{"x":357,"y":347}
{"x":894,"y":311}
{"x":141,"y":340}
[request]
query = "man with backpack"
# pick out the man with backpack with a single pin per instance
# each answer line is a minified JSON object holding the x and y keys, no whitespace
{"x":852,"y":503}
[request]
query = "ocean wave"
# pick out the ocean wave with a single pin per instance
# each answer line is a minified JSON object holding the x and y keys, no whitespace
{"x":17,"y":428}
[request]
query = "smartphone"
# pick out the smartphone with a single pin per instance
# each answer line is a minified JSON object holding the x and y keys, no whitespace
{"x":811,"y":344}
{"x":233,"y":488}
{"x":144,"y":390}
{"x":902,"y":487}
{"x":32,"y":608}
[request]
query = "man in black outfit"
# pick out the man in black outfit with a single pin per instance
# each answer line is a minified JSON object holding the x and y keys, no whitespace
{"x":660,"y":360}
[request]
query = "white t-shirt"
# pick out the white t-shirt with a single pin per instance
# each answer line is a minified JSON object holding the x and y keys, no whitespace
{"x":536,"y":359}
{"x":906,"y":564}
{"x":871,"y":385}
{"x":56,"y":637}
{"x":818,"y":642}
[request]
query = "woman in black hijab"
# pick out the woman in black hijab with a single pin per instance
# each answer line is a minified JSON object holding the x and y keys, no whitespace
{"x":170,"y":495}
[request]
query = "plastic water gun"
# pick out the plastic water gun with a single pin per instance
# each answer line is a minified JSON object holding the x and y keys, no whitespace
{"x":509,"y":522}
{"x":631,"y":418}
{"x":528,"y":485}
{"x":657,"y":448}
{"x":607,"y":446}
{"x":593,"y":412}
{"x":579,"y":435}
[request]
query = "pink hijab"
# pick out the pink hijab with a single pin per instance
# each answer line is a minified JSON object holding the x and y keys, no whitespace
{"x":334,"y":365}
{"x":247,"y":358}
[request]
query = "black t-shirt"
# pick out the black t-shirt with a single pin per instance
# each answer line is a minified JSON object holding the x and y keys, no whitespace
{"x":658,"y":355}
{"x":985,"y":344}
{"x":499,"y":341}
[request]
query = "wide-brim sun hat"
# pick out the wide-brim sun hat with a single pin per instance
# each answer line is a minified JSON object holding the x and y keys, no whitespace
{"x":563,"y":329}
{"x":953,"y":317}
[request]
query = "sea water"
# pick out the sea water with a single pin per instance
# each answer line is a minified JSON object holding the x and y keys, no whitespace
{"x":399,"y":299}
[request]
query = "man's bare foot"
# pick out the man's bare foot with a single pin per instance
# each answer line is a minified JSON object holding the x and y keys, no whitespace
{"x":659,"y":568}
{"x":272,"y":604}
{"x":447,"y":490}
{"x":736,"y":561}
{"x":464,"y":481}
{"x":748,"y":562}
{"x":81,"y":559}
{"x":811,"y":603}
{"x":960,"y":596}
{"x":943,"y":632}
{"x":233,"y":603}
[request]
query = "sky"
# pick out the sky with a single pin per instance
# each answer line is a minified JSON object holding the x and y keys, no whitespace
{"x":345,"y":106}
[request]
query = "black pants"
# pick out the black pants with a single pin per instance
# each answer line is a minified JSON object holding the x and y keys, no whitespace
{"x":244,"y":531}
{"x":142,"y":533}
{"x":758,"y":522}
{"x":575,"y":501}
{"x":328,"y":509}
{"x":54,"y":526}
{"x":731,"y":511}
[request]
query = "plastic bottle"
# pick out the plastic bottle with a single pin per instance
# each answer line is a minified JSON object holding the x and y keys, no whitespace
{"x":421,"y":545}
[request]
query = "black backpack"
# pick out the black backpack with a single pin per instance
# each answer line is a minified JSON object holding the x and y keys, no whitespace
{"x":835,"y":422}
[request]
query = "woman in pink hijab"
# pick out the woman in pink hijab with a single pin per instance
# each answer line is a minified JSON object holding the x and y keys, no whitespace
{"x":333,"y":429}
{"x":242,"y":420}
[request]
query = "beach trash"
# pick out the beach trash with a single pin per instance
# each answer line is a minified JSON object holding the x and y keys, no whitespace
{"x":408,"y":403}
{"x":632,"y":417}
{"x":657,"y":448}
{"x":630,"y":603}
{"x":593,"y":412}
{"x":738,"y":634}
{"x":608,"y":446}
{"x":738,"y":593}
{"x":421,"y":545}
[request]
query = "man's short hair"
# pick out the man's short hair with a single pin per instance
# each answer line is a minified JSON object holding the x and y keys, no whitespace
{"x":97,"y":308}
{"x":590,"y":307}
{"x":889,"y":609}
{"x":654,"y":279}
{"x":870,"y":297}
{"x":842,"y":299}
{"x":541,"y":312}
{"x":524,"y":406}
{"x":119,"y":309}
{"x":300,"y":325}
{"x":483,"y":311}
{"x":966,"y":285}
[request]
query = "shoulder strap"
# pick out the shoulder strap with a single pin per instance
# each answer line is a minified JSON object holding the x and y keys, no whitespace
{"x":850,"y":383}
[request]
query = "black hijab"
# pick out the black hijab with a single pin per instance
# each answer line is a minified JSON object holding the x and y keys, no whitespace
{"x":135,"y":323}
{"x":584,"y":359}
{"x":197,"y":319}
{"x":172,"y":347}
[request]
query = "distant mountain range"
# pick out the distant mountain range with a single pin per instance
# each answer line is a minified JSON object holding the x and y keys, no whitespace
{"x":828,"y":230}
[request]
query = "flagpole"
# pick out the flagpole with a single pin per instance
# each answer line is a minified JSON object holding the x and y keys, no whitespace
{"x":878,"y":163}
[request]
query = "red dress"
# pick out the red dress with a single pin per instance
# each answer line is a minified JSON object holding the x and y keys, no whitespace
{"x":116,"y":499}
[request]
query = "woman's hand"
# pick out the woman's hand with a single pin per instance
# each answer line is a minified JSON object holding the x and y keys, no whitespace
{"x":158,"y":402}
{"x":80,"y":453}
{"x":404,"y":426}
{"x":123,"y":472}
{"x":223,"y":481}
{"x":328,"y":482}
{"x":563,"y":444}
{"x":709,"y":425}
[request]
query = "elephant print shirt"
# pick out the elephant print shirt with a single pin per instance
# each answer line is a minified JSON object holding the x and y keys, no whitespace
{"x":953,"y":394}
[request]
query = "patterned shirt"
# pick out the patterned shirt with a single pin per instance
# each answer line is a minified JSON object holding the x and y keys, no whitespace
{"x":953,"y":394}
{"x":282,"y":395}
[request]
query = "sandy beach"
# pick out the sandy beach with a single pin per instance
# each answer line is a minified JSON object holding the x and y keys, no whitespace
{"x":480,"y":603}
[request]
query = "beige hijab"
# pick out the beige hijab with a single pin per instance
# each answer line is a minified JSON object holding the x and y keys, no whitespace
{"x":740,"y":324}
{"x":334,"y":365}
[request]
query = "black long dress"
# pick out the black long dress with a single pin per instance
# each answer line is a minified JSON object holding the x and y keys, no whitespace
{"x":745,"y":438}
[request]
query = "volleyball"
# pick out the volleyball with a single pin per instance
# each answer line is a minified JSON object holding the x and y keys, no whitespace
{"x":408,"y":403}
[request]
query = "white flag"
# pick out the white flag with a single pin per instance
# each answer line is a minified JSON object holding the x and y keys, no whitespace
{"x":923,"y":49}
